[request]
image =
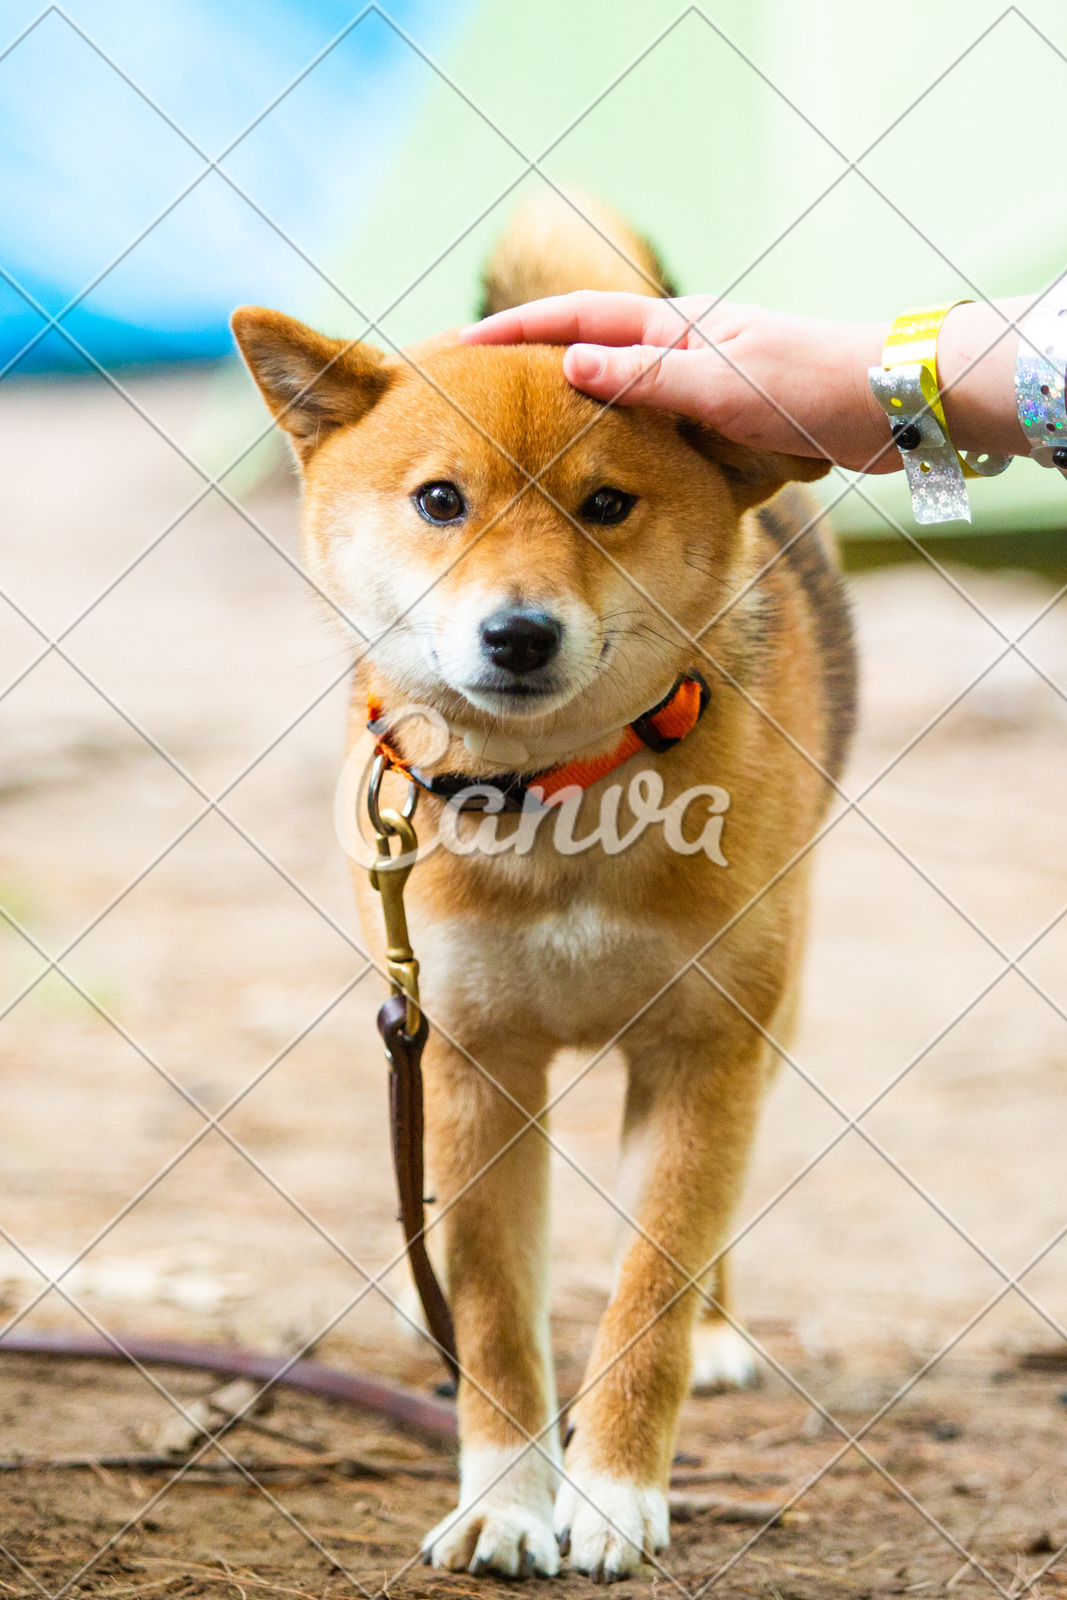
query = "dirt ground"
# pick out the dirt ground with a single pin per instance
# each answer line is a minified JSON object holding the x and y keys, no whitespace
{"x":230,"y":953}
{"x":983,"y":1452}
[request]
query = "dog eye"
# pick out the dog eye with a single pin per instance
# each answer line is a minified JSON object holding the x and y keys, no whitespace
{"x":606,"y":506}
{"x":439,"y":502}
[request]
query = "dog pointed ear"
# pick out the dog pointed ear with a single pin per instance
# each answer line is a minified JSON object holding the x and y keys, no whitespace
{"x":751,"y":475}
{"x":312,"y":384}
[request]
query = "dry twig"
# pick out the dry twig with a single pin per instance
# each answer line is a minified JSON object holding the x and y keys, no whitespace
{"x":685,"y":1507}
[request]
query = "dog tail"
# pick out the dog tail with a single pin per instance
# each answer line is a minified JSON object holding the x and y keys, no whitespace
{"x":555,"y":244}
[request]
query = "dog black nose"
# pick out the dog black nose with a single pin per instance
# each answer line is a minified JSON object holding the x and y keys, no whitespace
{"x":520,"y":641}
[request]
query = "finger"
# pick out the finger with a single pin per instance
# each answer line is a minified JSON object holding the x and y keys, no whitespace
{"x":589,"y":315}
{"x":676,"y":380}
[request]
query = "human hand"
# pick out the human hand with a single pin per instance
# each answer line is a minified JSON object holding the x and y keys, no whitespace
{"x":761,"y":378}
{"x":765,"y":378}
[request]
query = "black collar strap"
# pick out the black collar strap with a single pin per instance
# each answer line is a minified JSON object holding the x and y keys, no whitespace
{"x":658,"y":729}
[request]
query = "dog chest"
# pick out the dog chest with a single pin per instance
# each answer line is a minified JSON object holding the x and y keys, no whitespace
{"x":574,"y":972}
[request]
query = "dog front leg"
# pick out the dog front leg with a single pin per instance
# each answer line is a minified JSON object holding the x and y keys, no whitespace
{"x":722,"y":1359}
{"x":690,"y":1114}
{"x":496,"y":1244}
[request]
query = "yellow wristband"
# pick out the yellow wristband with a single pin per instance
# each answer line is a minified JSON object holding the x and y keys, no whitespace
{"x":906,"y":387}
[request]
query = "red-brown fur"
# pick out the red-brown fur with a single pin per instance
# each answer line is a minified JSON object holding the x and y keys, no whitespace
{"x":521,"y":956}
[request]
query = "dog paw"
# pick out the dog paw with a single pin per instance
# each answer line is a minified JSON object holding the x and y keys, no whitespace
{"x":722,"y":1359}
{"x":608,"y":1526}
{"x":504,"y":1520}
{"x":508,"y":1540}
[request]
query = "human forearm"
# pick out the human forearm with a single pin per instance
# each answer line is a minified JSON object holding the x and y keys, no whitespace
{"x":771,"y":380}
{"x":976,"y":354}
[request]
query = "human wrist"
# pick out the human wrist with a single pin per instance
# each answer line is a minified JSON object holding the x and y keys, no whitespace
{"x":868,"y":343}
{"x":976,"y":354}
{"x":869,"y":443}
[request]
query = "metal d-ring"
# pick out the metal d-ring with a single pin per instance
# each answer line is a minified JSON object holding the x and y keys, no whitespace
{"x":374,"y":790}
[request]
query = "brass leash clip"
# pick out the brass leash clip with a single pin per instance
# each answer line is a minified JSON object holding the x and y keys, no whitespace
{"x":404,"y":1030}
{"x":388,"y":876}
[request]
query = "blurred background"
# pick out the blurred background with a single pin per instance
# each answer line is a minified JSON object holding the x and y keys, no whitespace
{"x":172,"y":704}
{"x":812,"y":160}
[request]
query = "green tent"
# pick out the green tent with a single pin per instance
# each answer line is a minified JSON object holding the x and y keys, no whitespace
{"x":840,"y":160}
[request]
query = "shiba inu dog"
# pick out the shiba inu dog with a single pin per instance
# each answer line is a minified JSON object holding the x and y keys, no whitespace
{"x":608,"y":596}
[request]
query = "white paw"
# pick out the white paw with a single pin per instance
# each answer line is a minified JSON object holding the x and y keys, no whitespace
{"x":608,"y":1526}
{"x":510,"y":1540}
{"x":504,"y":1522}
{"x":722,"y":1359}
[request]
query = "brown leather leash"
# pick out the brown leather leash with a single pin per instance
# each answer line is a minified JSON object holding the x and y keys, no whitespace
{"x":404,"y":1029}
{"x":400,"y":1020}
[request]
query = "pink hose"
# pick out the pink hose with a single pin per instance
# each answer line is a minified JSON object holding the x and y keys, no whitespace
{"x":396,"y":1400}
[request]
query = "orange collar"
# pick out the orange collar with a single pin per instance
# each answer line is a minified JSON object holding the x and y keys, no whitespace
{"x":676,"y":715}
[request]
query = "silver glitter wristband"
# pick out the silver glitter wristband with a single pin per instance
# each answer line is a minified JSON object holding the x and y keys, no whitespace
{"x":1040,"y":377}
{"x":906,"y":387}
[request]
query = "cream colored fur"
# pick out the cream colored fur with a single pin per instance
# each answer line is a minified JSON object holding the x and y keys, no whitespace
{"x":522,"y":956}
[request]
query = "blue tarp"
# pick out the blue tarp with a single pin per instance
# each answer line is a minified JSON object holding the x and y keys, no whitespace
{"x":89,"y":161}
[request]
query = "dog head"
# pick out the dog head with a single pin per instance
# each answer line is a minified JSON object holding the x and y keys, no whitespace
{"x":540,"y":607}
